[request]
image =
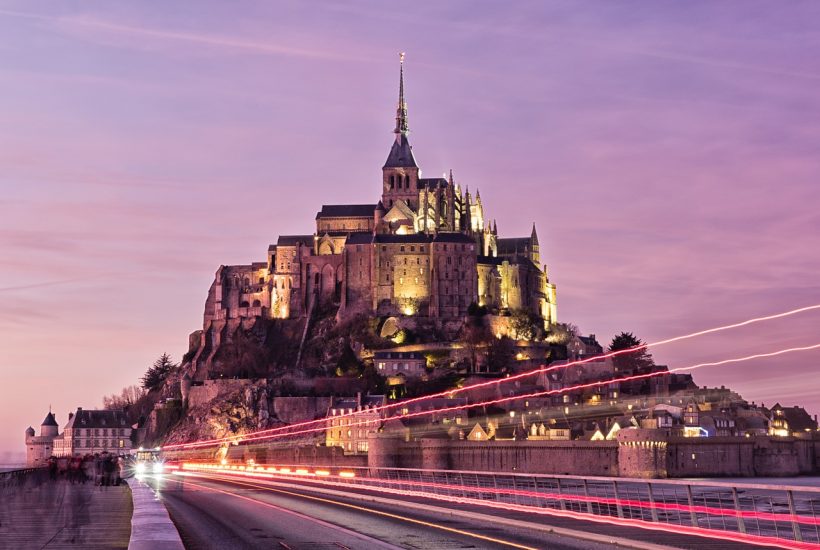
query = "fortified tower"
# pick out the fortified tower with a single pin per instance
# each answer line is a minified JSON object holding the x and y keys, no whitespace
{"x":40,"y":448}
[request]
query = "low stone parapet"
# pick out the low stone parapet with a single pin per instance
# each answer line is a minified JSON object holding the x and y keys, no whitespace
{"x":151,"y":527}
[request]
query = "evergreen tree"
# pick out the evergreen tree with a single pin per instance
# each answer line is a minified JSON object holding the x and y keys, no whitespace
{"x":637,"y":361}
{"x":158,"y":372}
{"x":500,"y":354}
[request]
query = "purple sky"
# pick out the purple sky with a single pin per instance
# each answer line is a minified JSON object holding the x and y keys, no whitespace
{"x":667,"y":151}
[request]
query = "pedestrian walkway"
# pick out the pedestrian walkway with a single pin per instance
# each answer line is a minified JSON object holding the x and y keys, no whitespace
{"x":36,"y":512}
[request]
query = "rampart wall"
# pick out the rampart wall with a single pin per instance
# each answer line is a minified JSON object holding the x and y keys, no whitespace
{"x":636,"y":453}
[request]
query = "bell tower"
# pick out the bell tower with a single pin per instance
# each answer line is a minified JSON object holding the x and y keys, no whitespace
{"x":400,"y":174}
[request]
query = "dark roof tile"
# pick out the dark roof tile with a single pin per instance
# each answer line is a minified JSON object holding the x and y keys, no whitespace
{"x":293,"y":240}
{"x":346,"y":211}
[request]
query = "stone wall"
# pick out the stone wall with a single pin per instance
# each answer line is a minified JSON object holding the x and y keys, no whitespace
{"x":636,"y":453}
{"x":711,"y":457}
{"x":204,"y":394}
{"x":300,"y":409}
{"x":305,"y":455}
{"x":717,"y":456}
{"x":598,"y":458}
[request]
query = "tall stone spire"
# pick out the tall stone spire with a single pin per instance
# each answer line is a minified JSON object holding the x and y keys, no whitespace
{"x":401,"y":110}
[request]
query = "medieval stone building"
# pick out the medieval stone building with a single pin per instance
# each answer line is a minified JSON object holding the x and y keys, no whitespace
{"x":39,"y":448}
{"x":425,"y":248}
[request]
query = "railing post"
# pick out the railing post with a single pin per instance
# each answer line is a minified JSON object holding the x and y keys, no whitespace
{"x":798,"y":536}
{"x":561,"y":504}
{"x":741,"y":525}
{"x":652,"y":509}
{"x":515,"y":490}
{"x":692,"y":514}
{"x":586,"y":496}
{"x":618,"y":506}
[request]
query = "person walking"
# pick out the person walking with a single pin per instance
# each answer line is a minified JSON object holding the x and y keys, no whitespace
{"x":88,"y":468}
{"x":98,"y":469}
{"x":52,"y":468}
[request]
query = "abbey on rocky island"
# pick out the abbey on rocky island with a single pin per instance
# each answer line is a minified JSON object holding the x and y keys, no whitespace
{"x":426,"y":249}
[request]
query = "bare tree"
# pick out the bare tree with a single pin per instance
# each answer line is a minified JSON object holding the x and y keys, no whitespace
{"x":127,"y":397}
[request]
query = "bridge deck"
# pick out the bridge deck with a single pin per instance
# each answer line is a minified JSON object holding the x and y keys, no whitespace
{"x":36,"y":512}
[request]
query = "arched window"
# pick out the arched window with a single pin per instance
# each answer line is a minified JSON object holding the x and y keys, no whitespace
{"x":392,"y":181}
{"x":257,"y":303}
{"x":261,"y":280}
{"x":407,"y":182}
{"x":247,"y":282}
{"x":244,"y":304}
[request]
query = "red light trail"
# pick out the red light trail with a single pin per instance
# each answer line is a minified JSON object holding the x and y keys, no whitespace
{"x":342,"y":504}
{"x":643,"y":524}
{"x":257,"y":436}
{"x":449,"y":393}
{"x":360,"y":483}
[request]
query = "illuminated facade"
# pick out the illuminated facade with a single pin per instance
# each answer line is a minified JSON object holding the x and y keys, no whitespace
{"x":426,"y":248}
{"x":350,"y":421}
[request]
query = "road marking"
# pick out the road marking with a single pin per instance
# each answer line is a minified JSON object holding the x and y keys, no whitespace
{"x":381,"y":513}
{"x":369,"y":540}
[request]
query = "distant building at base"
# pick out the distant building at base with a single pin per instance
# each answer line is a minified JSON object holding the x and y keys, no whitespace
{"x":86,"y":432}
{"x":40,"y":447}
{"x":93,"y":431}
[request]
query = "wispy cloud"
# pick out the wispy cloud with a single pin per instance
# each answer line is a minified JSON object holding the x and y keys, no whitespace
{"x":84,"y":23}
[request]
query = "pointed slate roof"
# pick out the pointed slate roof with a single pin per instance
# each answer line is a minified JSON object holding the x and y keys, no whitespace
{"x":50,"y":420}
{"x":401,"y":154}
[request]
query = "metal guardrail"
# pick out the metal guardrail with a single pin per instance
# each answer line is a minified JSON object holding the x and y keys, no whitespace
{"x":21,"y":472}
{"x":12,"y":480}
{"x":786,"y":515}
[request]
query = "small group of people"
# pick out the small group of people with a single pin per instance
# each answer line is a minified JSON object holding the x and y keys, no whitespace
{"x":103,"y":469}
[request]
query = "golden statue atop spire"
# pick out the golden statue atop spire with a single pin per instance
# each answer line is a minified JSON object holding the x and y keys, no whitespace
{"x":401,"y":111}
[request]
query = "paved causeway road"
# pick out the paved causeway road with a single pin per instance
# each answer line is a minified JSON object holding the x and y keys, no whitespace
{"x":247,"y":514}
{"x":212,"y":511}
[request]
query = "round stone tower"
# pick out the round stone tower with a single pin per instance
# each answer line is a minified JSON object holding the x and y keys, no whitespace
{"x":642,"y":453}
{"x":435,"y":453}
{"x":382,"y":450}
{"x":49,"y":427}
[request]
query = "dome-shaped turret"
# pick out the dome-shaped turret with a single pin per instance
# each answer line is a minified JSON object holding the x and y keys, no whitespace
{"x":30,"y":432}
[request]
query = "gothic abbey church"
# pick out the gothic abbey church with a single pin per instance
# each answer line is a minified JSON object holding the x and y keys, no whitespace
{"x":426,"y":248}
